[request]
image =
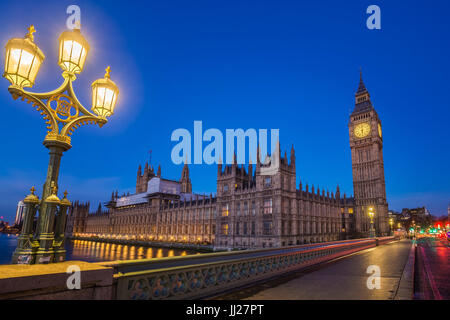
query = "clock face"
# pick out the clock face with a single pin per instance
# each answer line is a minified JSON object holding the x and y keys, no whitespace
{"x":379,"y":129}
{"x":362,"y":130}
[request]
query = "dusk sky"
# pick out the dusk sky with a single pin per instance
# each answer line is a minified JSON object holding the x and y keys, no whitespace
{"x":289,"y":65}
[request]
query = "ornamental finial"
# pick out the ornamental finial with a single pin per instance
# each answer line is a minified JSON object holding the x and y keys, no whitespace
{"x":108,"y":71}
{"x":53,"y":188}
{"x":65,"y":194}
{"x":30,"y":35}
{"x":33,"y":189}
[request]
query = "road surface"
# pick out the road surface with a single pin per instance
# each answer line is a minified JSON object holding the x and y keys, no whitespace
{"x":432,"y":279}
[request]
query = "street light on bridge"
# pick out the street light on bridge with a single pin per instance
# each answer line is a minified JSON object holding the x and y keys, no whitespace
{"x":372,"y":229}
{"x":63,"y":113}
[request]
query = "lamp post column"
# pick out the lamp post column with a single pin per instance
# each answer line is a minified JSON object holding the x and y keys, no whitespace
{"x":45,"y":228}
{"x":372,"y":229}
{"x":60,"y":226}
{"x":56,"y":149}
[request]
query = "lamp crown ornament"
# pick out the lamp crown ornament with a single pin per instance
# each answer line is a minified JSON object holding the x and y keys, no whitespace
{"x":53,"y":198}
{"x":54,"y":188}
{"x":65,"y":201}
{"x":108,"y":71}
{"x":30,"y":34}
{"x":31,"y":198}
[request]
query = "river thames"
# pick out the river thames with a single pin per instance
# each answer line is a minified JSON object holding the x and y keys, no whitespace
{"x":91,"y":251}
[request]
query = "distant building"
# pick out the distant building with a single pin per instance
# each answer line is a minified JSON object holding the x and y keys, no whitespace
{"x":417,"y":216}
{"x":19,"y":212}
{"x":397,"y":219}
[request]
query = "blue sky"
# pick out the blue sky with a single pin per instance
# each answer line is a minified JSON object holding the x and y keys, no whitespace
{"x":291,"y":65}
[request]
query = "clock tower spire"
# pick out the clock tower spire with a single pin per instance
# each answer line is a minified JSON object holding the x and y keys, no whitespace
{"x":366,"y":144}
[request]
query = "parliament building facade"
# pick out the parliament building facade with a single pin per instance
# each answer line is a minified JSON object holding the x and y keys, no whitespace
{"x":251,"y":209}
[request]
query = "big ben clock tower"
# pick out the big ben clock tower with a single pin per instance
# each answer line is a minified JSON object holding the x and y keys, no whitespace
{"x":366,"y":144}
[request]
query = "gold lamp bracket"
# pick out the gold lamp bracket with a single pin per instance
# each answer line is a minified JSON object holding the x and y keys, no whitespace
{"x":61,"y":110}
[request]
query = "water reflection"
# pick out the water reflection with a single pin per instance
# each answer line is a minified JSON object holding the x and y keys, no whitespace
{"x":99,"y":251}
{"x":96,"y":251}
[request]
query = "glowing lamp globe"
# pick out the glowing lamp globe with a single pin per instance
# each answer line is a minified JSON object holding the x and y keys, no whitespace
{"x":23,"y":60}
{"x":104,"y":95}
{"x":73,"y":49}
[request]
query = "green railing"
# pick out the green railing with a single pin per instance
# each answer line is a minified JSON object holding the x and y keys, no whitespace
{"x":199,"y":276}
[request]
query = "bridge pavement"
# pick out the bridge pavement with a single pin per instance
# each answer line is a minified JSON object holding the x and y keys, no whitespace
{"x":341,"y":279}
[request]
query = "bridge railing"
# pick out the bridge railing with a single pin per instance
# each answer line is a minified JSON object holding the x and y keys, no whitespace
{"x":199,"y":276}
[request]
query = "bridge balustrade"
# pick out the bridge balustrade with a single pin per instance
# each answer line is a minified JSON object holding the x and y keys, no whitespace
{"x":204,"y":275}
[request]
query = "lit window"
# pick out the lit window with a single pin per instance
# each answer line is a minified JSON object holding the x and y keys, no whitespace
{"x":268,"y":206}
{"x":225,"y":210}
{"x":225,"y":229}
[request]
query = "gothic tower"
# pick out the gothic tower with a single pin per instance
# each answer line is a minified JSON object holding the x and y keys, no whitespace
{"x":186,"y":186}
{"x":366,"y":144}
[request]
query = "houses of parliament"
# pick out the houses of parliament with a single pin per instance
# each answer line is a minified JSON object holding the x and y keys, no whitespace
{"x":250,"y":209}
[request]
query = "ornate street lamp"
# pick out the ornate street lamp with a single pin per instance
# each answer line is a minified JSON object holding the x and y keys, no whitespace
{"x":63,"y":113}
{"x":372,"y":230}
{"x":391,"y":223}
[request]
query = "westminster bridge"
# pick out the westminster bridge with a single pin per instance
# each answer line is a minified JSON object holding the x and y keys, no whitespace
{"x":219,"y":275}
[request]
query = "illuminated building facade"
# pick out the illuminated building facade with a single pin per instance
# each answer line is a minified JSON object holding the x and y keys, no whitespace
{"x":251,"y":209}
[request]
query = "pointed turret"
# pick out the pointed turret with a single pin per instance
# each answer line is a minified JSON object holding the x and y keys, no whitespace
{"x":293,"y":156}
{"x":258,"y":160}
{"x":158,"y":174}
{"x":186,"y":186}
{"x":219,"y":167}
